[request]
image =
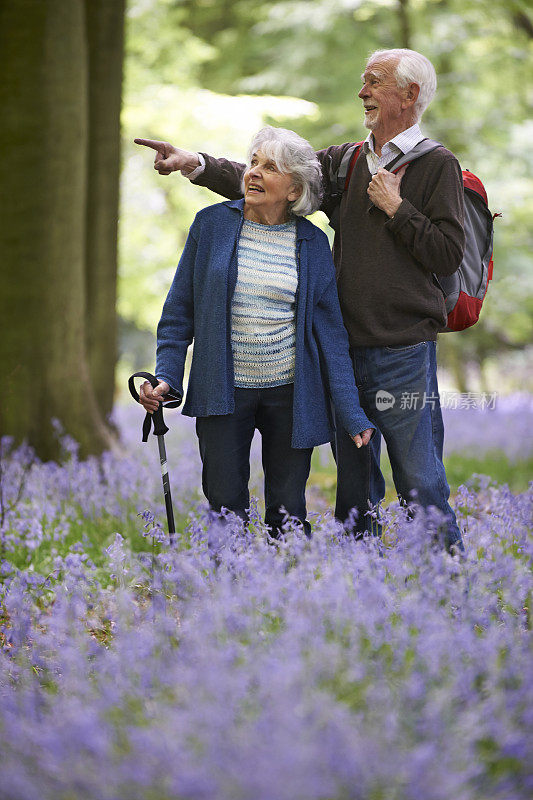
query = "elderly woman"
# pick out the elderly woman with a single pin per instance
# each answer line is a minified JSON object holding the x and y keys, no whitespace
{"x":255,"y":291}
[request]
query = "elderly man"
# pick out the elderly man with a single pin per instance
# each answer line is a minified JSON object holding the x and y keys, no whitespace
{"x":396,"y":232}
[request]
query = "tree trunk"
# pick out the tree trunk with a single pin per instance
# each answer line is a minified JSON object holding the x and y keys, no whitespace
{"x":405,"y":29}
{"x":43,"y":144}
{"x":523,"y":23}
{"x":105,"y":38}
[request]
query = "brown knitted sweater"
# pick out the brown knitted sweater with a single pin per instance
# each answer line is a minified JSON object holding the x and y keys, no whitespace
{"x":385,"y":267}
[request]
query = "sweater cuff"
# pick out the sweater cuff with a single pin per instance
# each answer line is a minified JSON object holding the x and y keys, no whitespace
{"x":362,"y":424}
{"x":207,"y":172}
{"x":404,"y":213}
{"x":173,"y":394}
{"x":196,"y":172}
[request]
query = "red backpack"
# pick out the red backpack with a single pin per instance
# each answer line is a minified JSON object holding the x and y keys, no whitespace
{"x":465,"y":290}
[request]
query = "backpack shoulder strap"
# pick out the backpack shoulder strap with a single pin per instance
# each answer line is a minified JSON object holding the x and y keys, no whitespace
{"x":340,"y":178}
{"x":346,"y":169}
{"x":420,"y":149}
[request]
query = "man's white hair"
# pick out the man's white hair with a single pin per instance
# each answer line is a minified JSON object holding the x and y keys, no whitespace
{"x":412,"y":67}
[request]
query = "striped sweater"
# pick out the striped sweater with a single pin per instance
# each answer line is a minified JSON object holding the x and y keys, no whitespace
{"x":263,"y":324}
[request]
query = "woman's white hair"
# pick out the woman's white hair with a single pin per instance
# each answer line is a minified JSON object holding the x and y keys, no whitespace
{"x":412,"y":67}
{"x":293,"y":155}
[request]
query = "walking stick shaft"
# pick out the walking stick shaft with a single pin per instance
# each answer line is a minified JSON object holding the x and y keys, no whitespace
{"x":166,"y":487}
{"x":156,"y":419}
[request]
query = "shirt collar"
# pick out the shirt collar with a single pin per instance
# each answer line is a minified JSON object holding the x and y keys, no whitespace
{"x":404,"y":141}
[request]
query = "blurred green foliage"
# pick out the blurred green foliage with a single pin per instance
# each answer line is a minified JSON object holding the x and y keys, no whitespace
{"x":206,"y":74}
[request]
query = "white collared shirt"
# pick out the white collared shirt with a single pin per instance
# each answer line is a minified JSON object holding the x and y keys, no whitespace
{"x":401,"y":143}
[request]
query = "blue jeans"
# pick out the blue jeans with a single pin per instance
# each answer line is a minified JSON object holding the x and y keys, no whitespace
{"x":399,"y":393}
{"x":225,"y":442}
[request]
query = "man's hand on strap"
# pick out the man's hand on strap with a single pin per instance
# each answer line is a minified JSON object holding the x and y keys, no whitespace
{"x":384,"y":190}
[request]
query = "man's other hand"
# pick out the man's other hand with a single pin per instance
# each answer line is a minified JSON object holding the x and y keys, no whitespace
{"x":384,"y":190}
{"x":169,"y":158}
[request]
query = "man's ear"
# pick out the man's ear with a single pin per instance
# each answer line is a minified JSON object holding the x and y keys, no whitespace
{"x":411,"y":93}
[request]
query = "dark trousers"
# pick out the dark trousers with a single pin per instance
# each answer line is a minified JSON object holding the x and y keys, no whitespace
{"x":225,"y":442}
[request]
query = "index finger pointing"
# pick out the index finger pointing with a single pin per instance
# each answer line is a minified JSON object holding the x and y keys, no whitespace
{"x":153,"y":143}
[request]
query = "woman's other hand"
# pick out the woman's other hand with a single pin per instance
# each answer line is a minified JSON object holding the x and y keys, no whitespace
{"x":150,"y":398}
{"x":362,"y":439}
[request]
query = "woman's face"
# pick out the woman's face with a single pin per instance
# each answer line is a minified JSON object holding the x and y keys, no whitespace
{"x":267,"y":191}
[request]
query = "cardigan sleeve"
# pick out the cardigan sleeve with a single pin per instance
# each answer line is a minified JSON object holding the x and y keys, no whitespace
{"x":332,"y":341}
{"x":176,"y":326}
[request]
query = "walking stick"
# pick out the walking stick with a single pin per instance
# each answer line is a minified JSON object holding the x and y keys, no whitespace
{"x":159,"y":430}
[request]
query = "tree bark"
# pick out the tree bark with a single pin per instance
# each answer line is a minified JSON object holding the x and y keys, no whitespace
{"x":105,"y":39}
{"x":43,"y":145}
{"x":523,"y":23}
{"x":405,"y":28}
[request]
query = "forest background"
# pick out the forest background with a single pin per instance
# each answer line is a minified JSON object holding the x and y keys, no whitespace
{"x":81,"y":79}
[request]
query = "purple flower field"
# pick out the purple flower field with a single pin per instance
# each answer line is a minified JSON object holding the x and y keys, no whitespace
{"x":232,"y":667}
{"x":507,"y":428}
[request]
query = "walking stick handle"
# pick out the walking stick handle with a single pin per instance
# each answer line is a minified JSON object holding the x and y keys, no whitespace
{"x":153,"y":381}
{"x":157,"y":417}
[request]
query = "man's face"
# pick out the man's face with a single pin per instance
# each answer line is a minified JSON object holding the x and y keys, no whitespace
{"x":382,"y":99}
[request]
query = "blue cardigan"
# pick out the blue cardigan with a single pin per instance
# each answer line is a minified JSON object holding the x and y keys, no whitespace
{"x":198,"y":306}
